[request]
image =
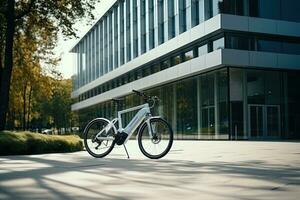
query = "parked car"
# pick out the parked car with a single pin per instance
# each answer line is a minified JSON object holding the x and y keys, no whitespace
{"x":47,"y":131}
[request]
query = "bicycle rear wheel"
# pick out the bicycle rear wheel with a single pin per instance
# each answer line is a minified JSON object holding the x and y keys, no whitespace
{"x":99,"y":147}
{"x":160,"y":143}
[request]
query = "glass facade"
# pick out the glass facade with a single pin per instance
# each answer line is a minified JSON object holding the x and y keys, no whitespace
{"x":261,"y":104}
{"x":229,"y":103}
{"x":133,"y":27}
{"x":180,"y":105}
{"x":284,"y":45}
{"x":226,"y":103}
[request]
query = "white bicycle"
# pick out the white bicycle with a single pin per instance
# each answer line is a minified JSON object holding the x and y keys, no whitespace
{"x":155,"y":135}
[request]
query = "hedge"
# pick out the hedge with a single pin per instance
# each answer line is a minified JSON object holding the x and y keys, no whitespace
{"x":22,"y":143}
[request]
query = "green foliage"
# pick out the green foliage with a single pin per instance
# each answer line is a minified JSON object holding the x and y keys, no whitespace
{"x":20,"y":143}
{"x":29,"y":32}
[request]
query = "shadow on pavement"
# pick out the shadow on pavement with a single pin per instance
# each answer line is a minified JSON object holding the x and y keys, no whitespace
{"x":118,"y":169}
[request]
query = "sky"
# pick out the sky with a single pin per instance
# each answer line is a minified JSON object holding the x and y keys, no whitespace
{"x":64,"y":45}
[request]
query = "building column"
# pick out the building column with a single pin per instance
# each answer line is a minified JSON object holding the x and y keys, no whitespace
{"x":174,"y":121}
{"x":245,"y":106}
{"x":216,"y":98}
{"x":125,"y":31}
{"x":119,"y":33}
{"x":131,"y":29}
{"x":166,"y":21}
{"x":86,"y":60}
{"x":285,"y":117}
{"x":109,"y":35}
{"x":147,"y":25}
{"x":113,"y":38}
{"x":102,"y":48}
{"x":176,"y":13}
{"x":139,"y":27}
{"x":199,"y":106}
{"x":98,"y":49}
{"x":188,"y":6}
{"x":155,"y":23}
{"x":95,"y":52}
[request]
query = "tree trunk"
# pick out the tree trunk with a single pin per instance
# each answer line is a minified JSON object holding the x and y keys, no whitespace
{"x":29,"y":108}
{"x":24,"y":105}
{"x":1,"y":67}
{"x":8,"y":62}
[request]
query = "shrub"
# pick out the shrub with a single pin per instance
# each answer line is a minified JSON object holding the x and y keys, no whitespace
{"x":20,"y":143}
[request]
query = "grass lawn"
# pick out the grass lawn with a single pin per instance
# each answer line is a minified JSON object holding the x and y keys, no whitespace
{"x":20,"y":143}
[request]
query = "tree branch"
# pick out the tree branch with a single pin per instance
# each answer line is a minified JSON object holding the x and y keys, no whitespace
{"x":27,"y":9}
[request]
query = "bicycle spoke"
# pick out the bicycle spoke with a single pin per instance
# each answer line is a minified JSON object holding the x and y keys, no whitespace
{"x":94,"y":145}
{"x":160,"y":143}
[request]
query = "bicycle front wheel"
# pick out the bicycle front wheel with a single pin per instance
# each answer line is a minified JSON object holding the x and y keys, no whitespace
{"x":95,"y":146}
{"x":160,"y":143}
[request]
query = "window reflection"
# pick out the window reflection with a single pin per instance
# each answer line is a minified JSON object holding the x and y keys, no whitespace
{"x":218,"y":44}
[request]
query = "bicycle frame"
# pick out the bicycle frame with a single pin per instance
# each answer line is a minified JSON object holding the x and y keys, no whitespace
{"x":144,"y":114}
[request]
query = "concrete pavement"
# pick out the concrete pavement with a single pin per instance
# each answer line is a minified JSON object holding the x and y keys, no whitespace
{"x":192,"y":170}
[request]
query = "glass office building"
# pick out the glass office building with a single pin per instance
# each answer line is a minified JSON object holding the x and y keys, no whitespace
{"x":223,"y":69}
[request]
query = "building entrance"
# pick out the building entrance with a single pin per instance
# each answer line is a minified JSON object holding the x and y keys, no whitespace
{"x":264,"y":121}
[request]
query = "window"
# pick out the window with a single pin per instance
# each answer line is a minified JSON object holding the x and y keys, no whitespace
{"x":290,"y":10}
{"x":216,"y":4}
{"x":96,"y":47}
{"x":143,"y":26}
{"x":105,"y":44}
{"x":202,"y":50}
{"x":171,"y":19}
{"x":132,"y":76}
{"x":182,"y":16}
{"x":155,"y":68}
{"x":165,"y":64}
{"x":218,"y":44}
{"x":268,"y":45}
{"x":139,"y":74}
{"x":110,"y":42}
{"x":116,"y":50}
{"x":239,"y":42}
{"x":146,"y":71}
{"x":234,"y":7}
{"x":188,"y":55}
{"x":135,"y":29}
{"x":160,"y":21}
{"x":195,"y":12}
{"x":291,"y":48}
{"x":122,"y":56}
{"x":128,"y":38}
{"x":101,"y":49}
{"x":186,"y":107}
{"x":175,"y":60}
{"x":151,"y":23}
{"x":265,"y":8}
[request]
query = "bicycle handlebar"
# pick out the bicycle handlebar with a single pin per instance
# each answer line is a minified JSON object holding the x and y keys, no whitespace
{"x":146,"y":97}
{"x":142,"y":94}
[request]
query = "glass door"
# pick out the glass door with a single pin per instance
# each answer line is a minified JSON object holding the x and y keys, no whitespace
{"x":256,"y":120}
{"x":264,"y":121}
{"x":273,"y":121}
{"x":208,"y":120}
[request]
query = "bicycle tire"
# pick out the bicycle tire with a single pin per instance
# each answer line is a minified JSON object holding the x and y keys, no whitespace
{"x":142,"y":137}
{"x":87,"y":131}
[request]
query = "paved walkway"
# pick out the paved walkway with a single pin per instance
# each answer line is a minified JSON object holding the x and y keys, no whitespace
{"x":192,"y":170}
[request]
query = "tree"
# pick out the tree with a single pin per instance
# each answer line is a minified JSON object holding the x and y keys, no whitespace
{"x":61,"y":104}
{"x":43,"y":18}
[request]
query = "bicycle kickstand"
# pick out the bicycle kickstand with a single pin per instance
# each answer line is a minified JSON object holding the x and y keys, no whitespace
{"x":126,"y":151}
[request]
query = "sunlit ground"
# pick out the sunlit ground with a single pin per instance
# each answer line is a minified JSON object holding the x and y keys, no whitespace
{"x":192,"y":170}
